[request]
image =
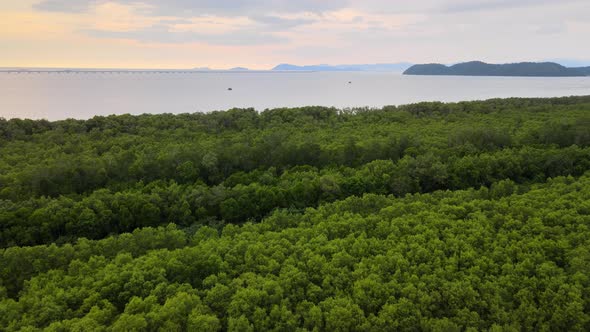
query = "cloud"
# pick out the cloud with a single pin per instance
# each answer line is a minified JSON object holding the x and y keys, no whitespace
{"x":551,"y":28}
{"x":176,"y":21}
{"x":214,"y":22}
{"x":164,"y":34}
{"x":64,"y":6}
{"x":281,"y":23}
{"x":205,"y":7}
{"x":487,"y":5}
{"x":192,"y":8}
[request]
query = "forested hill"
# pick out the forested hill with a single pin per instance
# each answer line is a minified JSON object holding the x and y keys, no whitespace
{"x":478,"y":68}
{"x":432,"y":216}
{"x":585,"y":70}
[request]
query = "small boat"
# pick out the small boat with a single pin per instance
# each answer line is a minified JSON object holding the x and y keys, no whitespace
{"x":229,"y":89}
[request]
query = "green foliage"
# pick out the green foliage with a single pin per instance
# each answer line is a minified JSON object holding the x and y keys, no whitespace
{"x":442,"y":261}
{"x":69,"y":179}
{"x":478,"y":68}
{"x":426,"y":217}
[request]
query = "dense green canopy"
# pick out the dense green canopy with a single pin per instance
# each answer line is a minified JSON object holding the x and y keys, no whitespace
{"x":437,"y":217}
{"x":478,"y":68}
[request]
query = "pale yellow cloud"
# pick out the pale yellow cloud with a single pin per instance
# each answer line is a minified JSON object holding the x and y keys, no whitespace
{"x":114,"y":16}
{"x":16,"y":24}
{"x":213,"y":24}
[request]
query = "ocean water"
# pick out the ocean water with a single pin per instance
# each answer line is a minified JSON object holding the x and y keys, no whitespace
{"x":58,"y":96}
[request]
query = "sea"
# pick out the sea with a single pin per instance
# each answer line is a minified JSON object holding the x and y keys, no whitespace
{"x":56,"y":96}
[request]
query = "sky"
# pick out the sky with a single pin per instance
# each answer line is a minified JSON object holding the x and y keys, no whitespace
{"x":260,"y":34}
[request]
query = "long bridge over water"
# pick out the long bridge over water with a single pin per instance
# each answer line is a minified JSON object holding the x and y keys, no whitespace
{"x":107,"y":71}
{"x":136,"y":71}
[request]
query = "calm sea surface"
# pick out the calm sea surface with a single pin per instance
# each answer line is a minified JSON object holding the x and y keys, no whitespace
{"x":59,"y":96}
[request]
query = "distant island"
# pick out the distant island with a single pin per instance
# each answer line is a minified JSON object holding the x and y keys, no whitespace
{"x":392,"y":67}
{"x":478,"y":68}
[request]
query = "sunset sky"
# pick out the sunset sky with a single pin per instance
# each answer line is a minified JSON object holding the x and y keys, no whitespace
{"x":262,"y":33}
